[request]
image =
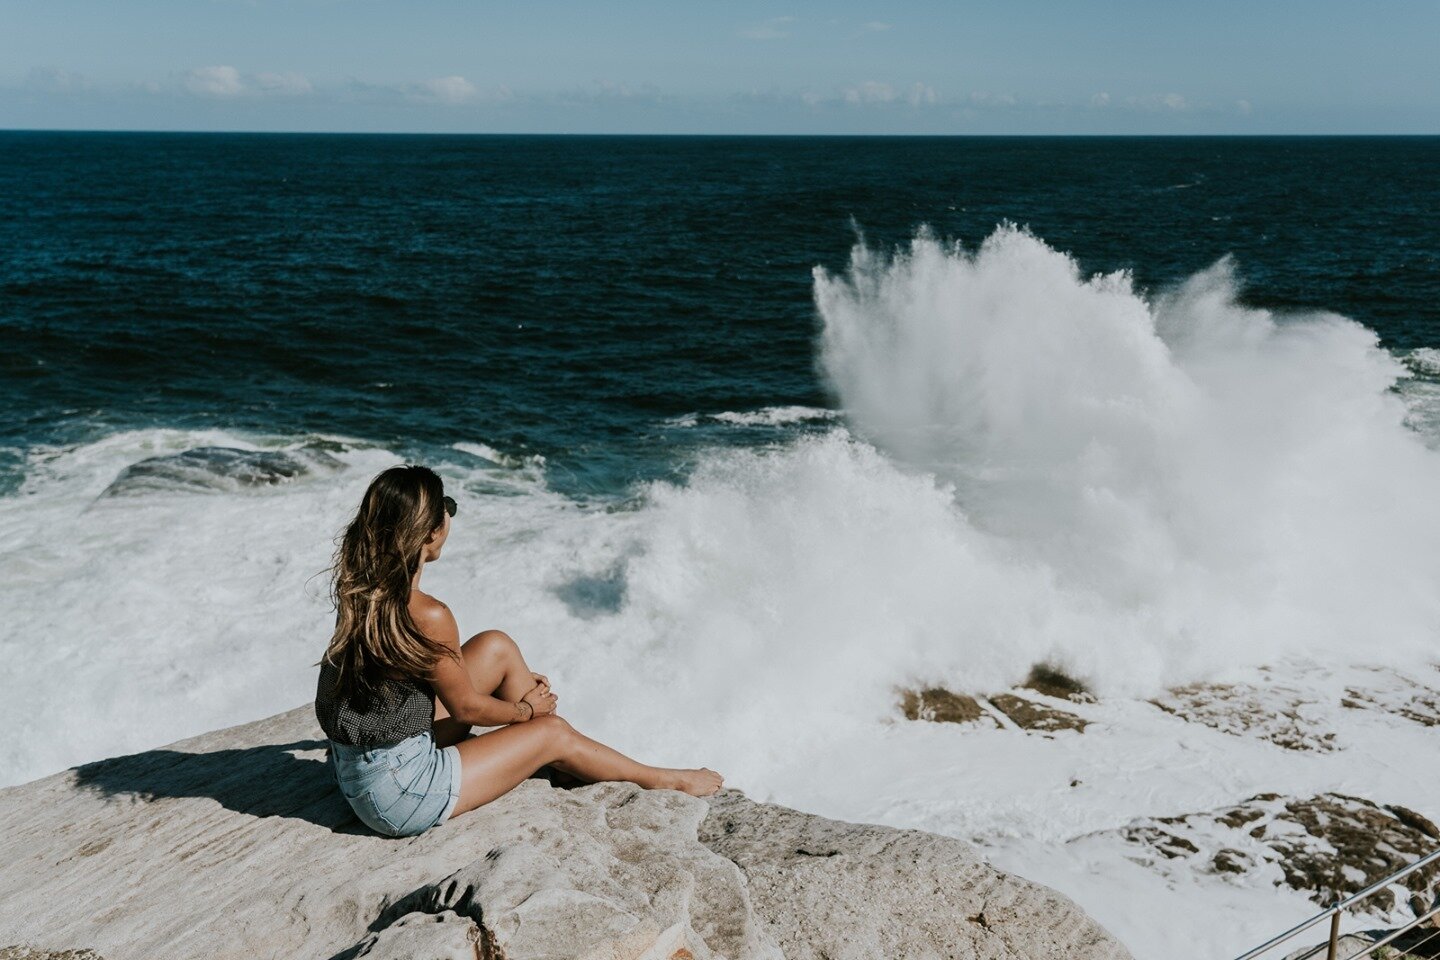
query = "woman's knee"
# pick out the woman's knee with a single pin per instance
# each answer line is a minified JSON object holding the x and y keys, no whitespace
{"x":554,"y":722}
{"x":557,"y":730}
{"x":490,"y":643}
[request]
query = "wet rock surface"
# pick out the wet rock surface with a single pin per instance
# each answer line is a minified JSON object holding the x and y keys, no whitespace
{"x":1032,"y":716}
{"x":1398,"y":695}
{"x":1025,"y":712}
{"x":943,"y":706}
{"x":1328,"y":846}
{"x":1053,"y":682}
{"x":1281,"y":715}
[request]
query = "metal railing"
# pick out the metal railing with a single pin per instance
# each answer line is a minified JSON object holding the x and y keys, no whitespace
{"x":1334,"y":912}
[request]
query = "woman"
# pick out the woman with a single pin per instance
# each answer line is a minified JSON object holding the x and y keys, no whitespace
{"x":403,"y":761}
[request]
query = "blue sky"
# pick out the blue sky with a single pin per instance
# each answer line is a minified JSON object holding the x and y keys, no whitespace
{"x":1018,"y":67}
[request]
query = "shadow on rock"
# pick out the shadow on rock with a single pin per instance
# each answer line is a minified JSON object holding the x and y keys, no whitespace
{"x":262,"y":781}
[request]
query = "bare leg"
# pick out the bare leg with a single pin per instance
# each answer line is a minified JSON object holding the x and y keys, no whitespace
{"x":592,"y":761}
{"x":494,"y":762}
{"x":496,"y":668}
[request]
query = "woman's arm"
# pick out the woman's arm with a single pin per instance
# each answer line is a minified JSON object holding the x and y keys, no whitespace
{"x":452,"y":682}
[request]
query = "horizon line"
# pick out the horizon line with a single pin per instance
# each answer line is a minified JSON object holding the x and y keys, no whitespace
{"x":568,"y":133}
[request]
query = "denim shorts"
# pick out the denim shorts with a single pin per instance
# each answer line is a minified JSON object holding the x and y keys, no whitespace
{"x":402,"y":789}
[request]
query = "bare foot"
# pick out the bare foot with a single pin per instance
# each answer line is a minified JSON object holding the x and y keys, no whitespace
{"x":698,"y":783}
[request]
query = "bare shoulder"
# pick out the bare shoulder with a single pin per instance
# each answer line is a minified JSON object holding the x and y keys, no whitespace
{"x":433,"y":616}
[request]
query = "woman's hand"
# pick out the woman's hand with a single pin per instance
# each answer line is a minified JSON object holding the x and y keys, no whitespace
{"x":541,"y":700}
{"x":541,"y":680}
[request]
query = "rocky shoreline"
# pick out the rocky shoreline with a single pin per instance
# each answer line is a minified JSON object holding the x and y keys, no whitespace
{"x":1326,"y":846}
{"x":236,"y":844}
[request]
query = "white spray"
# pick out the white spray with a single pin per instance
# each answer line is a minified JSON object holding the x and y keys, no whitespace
{"x":1218,"y":484}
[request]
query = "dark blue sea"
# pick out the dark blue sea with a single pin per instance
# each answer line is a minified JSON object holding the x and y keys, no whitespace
{"x":569,"y":296}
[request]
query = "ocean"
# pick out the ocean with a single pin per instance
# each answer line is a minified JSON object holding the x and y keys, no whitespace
{"x":748,"y":434}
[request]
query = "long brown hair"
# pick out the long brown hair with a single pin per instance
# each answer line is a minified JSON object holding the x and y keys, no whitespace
{"x":374,"y":565}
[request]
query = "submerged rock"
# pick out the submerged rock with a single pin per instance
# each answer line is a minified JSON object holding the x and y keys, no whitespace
{"x":221,"y":468}
{"x":237,"y":844}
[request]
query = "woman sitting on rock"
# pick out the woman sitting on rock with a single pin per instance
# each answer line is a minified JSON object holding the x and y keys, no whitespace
{"x":403,"y":761}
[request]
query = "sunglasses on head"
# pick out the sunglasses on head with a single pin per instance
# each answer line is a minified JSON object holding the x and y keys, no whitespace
{"x":449,"y":505}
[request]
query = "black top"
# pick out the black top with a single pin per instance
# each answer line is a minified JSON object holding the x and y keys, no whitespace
{"x":398,"y":709}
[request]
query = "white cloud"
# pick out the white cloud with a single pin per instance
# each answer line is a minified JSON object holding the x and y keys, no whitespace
{"x":226,"y":82}
{"x":218,"y":81}
{"x":776,"y":28}
{"x":454,"y":89}
{"x":921,"y":94}
{"x":875,"y":26}
{"x":874,"y":92}
{"x":1243,"y":107}
{"x":1160,"y":101}
{"x":871,"y":91}
{"x":286,"y":84}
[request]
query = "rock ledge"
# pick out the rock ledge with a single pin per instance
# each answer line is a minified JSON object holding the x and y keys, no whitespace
{"x":236,"y":843}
